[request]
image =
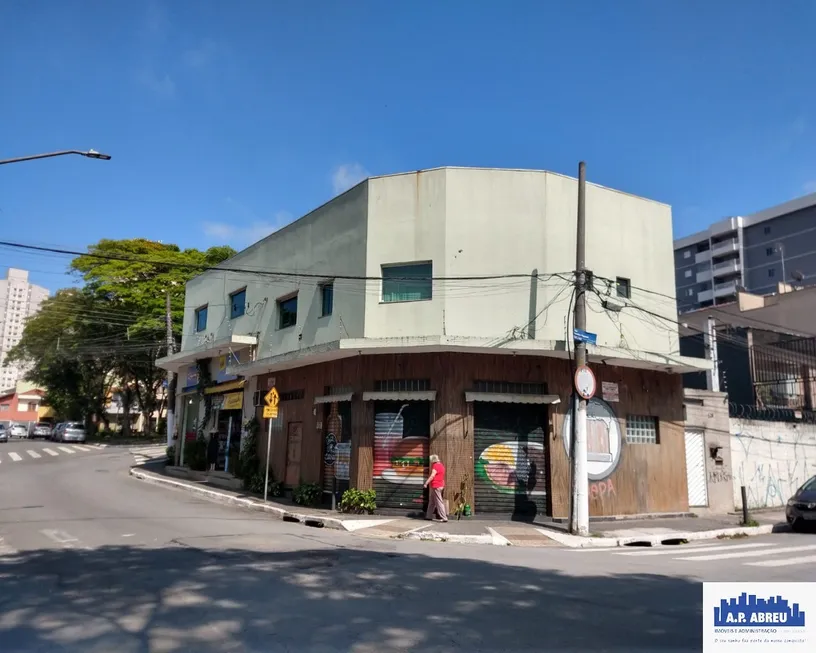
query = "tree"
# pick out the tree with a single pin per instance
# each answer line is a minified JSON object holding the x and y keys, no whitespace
{"x":115,"y":326}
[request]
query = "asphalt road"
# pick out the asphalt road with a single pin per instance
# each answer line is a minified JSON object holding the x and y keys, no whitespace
{"x":92,"y":560}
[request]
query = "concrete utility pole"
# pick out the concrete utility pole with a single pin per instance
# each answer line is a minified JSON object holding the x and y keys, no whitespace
{"x":579,"y":505}
{"x":713,"y":375}
{"x":171,"y":376}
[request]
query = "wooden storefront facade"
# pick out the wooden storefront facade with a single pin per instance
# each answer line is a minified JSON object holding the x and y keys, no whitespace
{"x":393,"y":410}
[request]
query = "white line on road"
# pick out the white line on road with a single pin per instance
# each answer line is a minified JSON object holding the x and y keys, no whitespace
{"x":15,"y":456}
{"x":786,"y":562}
{"x":81,"y":448}
{"x":751,"y":554}
{"x":51,"y":452}
{"x":5,"y":549}
{"x":33,"y":453}
{"x":66,"y":449}
{"x":64,"y":539}
{"x":672,"y":550}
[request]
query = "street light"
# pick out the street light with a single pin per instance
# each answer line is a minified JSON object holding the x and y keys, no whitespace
{"x":90,"y":154}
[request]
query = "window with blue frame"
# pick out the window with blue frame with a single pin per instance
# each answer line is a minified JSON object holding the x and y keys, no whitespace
{"x":326,"y":299}
{"x":201,"y":319}
{"x":412,"y":282}
{"x":237,"y":303}
{"x":287,"y":312}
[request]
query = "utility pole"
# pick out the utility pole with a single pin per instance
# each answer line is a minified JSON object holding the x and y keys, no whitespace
{"x":579,"y":505}
{"x":171,"y":376}
{"x":713,"y":375}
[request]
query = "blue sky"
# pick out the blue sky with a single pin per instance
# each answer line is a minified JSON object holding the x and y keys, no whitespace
{"x":227,"y":119}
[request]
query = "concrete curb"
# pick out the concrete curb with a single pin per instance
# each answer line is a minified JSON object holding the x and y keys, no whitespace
{"x":317,"y":521}
{"x":577,"y":542}
{"x":434,"y":536}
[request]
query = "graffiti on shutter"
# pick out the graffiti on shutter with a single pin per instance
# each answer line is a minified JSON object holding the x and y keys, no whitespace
{"x":401,"y":439}
{"x":510,"y":458}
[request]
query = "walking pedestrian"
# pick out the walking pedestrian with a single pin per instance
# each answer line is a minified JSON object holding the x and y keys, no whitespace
{"x":436,"y":480}
{"x":212,"y":451}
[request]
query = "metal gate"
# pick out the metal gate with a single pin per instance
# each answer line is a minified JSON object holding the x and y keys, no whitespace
{"x":401,"y":438}
{"x":510,"y":458}
{"x":695,"y":469}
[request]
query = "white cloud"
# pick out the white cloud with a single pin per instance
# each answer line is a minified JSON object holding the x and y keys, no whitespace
{"x":242,"y":235}
{"x":347,"y":175}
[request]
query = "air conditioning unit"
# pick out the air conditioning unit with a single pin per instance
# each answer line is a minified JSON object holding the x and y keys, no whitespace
{"x":258,"y":398}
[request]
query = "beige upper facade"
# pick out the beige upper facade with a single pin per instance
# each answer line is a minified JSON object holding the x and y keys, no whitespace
{"x":464,"y":223}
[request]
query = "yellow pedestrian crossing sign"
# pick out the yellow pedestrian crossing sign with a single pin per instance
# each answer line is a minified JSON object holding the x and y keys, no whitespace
{"x":272,"y":398}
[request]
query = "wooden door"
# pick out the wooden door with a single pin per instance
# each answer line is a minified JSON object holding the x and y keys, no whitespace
{"x":294,"y":440}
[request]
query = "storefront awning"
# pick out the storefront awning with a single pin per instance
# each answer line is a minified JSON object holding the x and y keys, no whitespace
{"x":330,"y":399}
{"x":225,"y":387}
{"x":511,"y":398}
{"x":405,"y":395}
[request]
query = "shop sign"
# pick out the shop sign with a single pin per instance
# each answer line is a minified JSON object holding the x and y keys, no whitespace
{"x":191,"y":377}
{"x":342,"y":460}
{"x":331,"y":450}
{"x":233,"y":401}
{"x":609,"y":391}
{"x":221,"y":367}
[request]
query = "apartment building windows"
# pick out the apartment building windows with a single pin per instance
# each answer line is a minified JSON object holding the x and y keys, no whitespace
{"x":287,"y":312}
{"x":201,"y":319}
{"x":237,"y":303}
{"x":769,"y":251}
{"x":410,"y":282}
{"x":771,"y":273}
{"x":767,"y":230}
{"x":326,"y":299}
{"x":623,"y":287}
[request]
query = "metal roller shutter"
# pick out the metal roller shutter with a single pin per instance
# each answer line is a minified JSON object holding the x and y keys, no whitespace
{"x":401,"y":441}
{"x":510,"y":459}
{"x":696,"y":469}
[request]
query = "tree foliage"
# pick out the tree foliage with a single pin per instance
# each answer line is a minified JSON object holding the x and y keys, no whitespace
{"x":108,"y":334}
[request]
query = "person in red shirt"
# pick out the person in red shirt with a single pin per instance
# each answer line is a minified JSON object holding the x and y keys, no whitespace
{"x":436,"y":480}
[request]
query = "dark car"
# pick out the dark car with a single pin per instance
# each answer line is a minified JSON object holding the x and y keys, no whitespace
{"x":801,"y":508}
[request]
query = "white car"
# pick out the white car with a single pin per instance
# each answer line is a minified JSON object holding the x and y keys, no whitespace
{"x":18,"y":431}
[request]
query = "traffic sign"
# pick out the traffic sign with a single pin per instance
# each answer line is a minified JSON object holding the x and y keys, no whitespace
{"x":272,"y":397}
{"x":270,"y":412}
{"x":585,"y":382}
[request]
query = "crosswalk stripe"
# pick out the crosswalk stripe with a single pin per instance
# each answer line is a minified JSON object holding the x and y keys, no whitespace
{"x":66,"y":449}
{"x":51,"y":452}
{"x":15,"y":456}
{"x":750,"y":554}
{"x":5,"y":549}
{"x":81,"y":448}
{"x":33,"y":453}
{"x":785,"y":562}
{"x":672,"y":550}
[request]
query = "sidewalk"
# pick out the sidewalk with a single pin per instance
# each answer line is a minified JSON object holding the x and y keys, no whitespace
{"x":614,"y":533}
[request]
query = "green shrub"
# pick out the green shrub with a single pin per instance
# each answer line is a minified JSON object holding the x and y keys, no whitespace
{"x":255,"y":484}
{"x":307,"y":494}
{"x":195,"y":455}
{"x":171,"y":454}
{"x":359,"y":501}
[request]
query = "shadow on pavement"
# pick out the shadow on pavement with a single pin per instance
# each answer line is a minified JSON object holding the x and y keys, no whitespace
{"x":129,"y":599}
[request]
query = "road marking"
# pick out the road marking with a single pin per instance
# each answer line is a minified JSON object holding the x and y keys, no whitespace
{"x":672,"y":550}
{"x":62,"y":538}
{"x":51,"y":452}
{"x":5,"y":549}
{"x":15,"y":456}
{"x":81,"y":448}
{"x":751,"y":554}
{"x":33,"y":453}
{"x":786,"y":562}
{"x":66,"y":449}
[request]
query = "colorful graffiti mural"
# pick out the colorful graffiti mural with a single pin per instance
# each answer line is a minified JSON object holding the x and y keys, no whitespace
{"x":604,"y":438}
{"x":512,"y":467}
{"x":400,"y":458}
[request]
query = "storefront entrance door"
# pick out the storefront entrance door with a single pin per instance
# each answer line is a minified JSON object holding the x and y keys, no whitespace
{"x":294,"y":440}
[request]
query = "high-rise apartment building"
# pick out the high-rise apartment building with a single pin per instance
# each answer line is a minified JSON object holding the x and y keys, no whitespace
{"x":19,"y":300}
{"x":756,"y":253}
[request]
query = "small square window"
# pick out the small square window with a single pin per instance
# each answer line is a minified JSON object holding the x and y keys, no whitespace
{"x":688,"y":273}
{"x":407,"y":283}
{"x":691,"y":292}
{"x":769,"y":251}
{"x":767,"y":230}
{"x":687,"y":254}
{"x":287,"y":312}
{"x":237,"y":303}
{"x":326,"y":299}
{"x":201,"y":319}
{"x":641,"y":429}
{"x":771,"y":273}
{"x":624,"y":287}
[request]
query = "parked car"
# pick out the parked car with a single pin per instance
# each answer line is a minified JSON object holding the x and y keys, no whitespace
{"x":18,"y":431}
{"x":41,"y":430}
{"x":3,"y":433}
{"x":56,"y":430}
{"x":801,"y":509}
{"x":72,"y":432}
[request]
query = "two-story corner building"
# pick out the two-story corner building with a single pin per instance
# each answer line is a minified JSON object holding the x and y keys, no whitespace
{"x":430,"y":312}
